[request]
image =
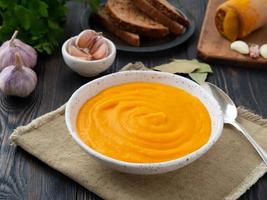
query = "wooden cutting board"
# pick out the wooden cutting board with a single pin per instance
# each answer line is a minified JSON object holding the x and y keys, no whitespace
{"x":213,"y":47}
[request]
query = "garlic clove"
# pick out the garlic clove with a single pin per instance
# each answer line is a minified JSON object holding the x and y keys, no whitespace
{"x":263,"y":51}
{"x":99,"y":41}
{"x":240,"y":47}
{"x":92,"y":43}
{"x":82,"y":58}
{"x":17,"y":80}
{"x":74,"y":51}
{"x":85,"y":50}
{"x":101,"y":52}
{"x":254,"y":51}
{"x":85,"y":38}
{"x":88,"y":58}
{"x":10,"y":47}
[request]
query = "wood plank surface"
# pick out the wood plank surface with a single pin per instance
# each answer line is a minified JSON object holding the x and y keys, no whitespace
{"x":213,"y":47}
{"x":24,"y":177}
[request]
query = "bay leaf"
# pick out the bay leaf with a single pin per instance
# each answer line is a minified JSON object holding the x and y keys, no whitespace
{"x":203,"y":67}
{"x":178,"y":66}
{"x":198,"y":77}
{"x":196,"y":70}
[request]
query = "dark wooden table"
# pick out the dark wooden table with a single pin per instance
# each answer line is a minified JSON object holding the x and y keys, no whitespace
{"x":24,"y":177}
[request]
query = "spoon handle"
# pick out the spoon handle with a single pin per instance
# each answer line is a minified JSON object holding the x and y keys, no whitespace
{"x":257,"y":147}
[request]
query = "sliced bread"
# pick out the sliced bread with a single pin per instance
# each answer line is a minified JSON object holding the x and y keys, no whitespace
{"x":130,"y":38}
{"x":128,"y":17}
{"x":169,"y":10}
{"x":156,"y":14}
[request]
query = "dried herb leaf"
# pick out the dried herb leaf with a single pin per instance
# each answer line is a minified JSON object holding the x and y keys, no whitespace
{"x":196,"y":70}
{"x":199,"y":77}
{"x":178,"y":66}
{"x":203,"y":67}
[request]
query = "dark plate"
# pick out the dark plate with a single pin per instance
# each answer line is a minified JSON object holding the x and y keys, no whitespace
{"x":147,"y":45}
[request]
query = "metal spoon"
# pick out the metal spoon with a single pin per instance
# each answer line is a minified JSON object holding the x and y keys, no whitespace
{"x":230,"y":113}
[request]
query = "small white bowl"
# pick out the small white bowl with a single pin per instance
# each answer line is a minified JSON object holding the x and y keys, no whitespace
{"x":89,"y":90}
{"x":92,"y":67}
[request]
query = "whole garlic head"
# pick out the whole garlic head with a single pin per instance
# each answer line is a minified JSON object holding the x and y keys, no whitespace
{"x":17,"y":80}
{"x":10,"y":47}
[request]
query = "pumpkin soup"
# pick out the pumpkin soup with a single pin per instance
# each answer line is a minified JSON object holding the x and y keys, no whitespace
{"x":144,"y":122}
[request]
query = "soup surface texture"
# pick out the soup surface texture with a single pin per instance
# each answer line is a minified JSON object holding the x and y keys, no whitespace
{"x":144,"y":122}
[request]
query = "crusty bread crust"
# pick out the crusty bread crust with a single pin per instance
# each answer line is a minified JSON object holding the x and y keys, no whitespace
{"x":128,"y":17}
{"x":130,"y":38}
{"x":167,"y":9}
{"x":156,"y":14}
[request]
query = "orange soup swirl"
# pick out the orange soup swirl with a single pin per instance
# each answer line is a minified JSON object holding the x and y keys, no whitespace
{"x":144,"y":123}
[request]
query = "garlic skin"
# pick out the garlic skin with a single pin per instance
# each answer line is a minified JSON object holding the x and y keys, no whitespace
{"x":240,"y":47}
{"x":10,"y":47}
{"x":101,"y":52}
{"x":263,"y":51}
{"x":17,"y":80}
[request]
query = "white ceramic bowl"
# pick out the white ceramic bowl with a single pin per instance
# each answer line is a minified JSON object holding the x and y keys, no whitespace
{"x":92,"y":67}
{"x":94,"y":87}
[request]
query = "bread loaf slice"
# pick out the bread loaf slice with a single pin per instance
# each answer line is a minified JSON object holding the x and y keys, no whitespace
{"x":128,"y":17}
{"x":156,"y":14}
{"x":169,"y":10}
{"x":130,"y":38}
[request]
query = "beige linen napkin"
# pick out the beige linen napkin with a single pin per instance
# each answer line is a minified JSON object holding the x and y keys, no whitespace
{"x":226,"y":171}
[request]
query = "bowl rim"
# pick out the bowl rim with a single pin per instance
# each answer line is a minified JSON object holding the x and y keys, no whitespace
{"x":187,"y":158}
{"x":111,"y":45}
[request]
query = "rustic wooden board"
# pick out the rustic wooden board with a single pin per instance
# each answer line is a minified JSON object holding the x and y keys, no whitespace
{"x":213,"y":47}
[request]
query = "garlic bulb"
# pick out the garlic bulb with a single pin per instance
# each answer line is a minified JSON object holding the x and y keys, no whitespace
{"x":10,"y":47}
{"x":17,"y":80}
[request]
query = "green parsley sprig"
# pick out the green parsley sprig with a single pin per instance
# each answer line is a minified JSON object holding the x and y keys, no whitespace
{"x":38,"y":21}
